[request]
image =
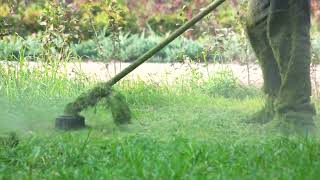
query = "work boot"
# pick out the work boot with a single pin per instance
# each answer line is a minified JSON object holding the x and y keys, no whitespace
{"x":293,"y":123}
{"x":256,"y":26}
{"x":265,"y":115}
{"x":289,"y":36}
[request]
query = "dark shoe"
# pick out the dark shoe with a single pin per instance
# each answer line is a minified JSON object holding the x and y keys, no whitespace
{"x":294,"y":123}
{"x":261,"y":117}
{"x":265,"y":115}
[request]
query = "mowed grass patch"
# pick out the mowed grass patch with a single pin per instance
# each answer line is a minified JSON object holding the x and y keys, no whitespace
{"x":176,"y":133}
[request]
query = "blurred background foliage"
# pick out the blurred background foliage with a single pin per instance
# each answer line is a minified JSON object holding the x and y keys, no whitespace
{"x":124,"y":29}
{"x":162,"y":16}
{"x":134,"y":16}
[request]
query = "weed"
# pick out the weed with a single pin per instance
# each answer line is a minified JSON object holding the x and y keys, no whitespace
{"x":224,"y":83}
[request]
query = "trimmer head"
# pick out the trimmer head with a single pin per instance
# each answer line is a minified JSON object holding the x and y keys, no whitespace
{"x":70,"y":122}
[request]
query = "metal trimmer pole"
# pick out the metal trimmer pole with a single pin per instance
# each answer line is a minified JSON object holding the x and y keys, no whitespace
{"x":165,"y":42}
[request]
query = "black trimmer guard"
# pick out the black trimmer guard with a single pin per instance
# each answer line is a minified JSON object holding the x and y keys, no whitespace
{"x":70,"y":122}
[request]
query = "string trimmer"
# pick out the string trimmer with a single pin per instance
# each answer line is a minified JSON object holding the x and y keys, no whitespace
{"x":119,"y":108}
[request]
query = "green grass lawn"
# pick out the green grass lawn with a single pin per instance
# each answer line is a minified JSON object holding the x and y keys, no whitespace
{"x":177,"y":132}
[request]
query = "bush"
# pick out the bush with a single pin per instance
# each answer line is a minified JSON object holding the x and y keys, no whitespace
{"x":12,"y":48}
{"x":164,"y":23}
{"x":89,"y":17}
{"x":131,"y":46}
{"x":87,"y":49}
{"x":4,"y":10}
{"x":31,"y":18}
{"x":221,"y":48}
{"x":227,"y":46}
{"x":134,"y":45}
{"x":112,"y":15}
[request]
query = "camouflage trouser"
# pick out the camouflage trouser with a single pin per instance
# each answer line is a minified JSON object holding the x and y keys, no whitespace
{"x":279,"y":33}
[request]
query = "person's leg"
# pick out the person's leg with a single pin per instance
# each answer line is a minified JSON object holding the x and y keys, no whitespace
{"x":257,"y":33}
{"x":288,"y":32}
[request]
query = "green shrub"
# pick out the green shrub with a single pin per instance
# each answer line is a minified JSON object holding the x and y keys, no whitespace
{"x":4,"y":10}
{"x":227,"y":46}
{"x":33,"y":46}
{"x":10,"y":49}
{"x":9,"y":25}
{"x":31,"y":18}
{"x":84,"y":18}
{"x":87,"y":49}
{"x":134,"y":45}
{"x":164,"y":23}
{"x":131,"y":46}
{"x":194,"y":50}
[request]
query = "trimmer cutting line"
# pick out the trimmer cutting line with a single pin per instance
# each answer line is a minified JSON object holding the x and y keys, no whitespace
{"x":119,"y":108}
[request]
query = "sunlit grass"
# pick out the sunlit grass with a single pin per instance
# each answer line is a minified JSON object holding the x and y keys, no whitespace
{"x":181,"y":131}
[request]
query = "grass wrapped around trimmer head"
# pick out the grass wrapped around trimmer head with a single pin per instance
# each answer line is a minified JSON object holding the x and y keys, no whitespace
{"x":120,"y":110}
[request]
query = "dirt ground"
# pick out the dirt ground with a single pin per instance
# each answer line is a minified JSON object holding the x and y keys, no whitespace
{"x":167,"y":71}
